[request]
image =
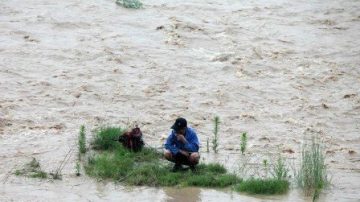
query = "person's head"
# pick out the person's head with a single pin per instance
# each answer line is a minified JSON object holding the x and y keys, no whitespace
{"x":179,"y":126}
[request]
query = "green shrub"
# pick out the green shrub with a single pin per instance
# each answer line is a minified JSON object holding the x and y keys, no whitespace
{"x":279,"y":169}
{"x":243,"y":143}
{"x":207,"y":145}
{"x":266,"y":167}
{"x":136,"y":4}
{"x":34,"y":164}
{"x":215,"y":140}
{"x":18,"y":173}
{"x":106,"y":138}
{"x":312,"y":174}
{"x":82,"y":140}
{"x":77,"y":169}
{"x":32,"y":169}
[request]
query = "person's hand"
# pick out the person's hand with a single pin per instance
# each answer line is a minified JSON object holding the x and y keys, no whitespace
{"x":185,"y":153}
{"x":181,"y":138}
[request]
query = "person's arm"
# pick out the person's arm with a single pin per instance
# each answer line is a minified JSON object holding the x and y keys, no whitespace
{"x":192,"y":143}
{"x":169,"y":144}
{"x":185,"y":153}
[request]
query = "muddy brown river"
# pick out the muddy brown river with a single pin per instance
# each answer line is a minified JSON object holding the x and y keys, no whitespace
{"x":282,"y":71}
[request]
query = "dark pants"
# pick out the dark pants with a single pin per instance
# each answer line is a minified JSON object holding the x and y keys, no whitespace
{"x":180,"y":158}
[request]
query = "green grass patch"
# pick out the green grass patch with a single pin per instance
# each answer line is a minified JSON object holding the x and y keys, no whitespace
{"x":214,"y":168}
{"x":32,"y":169}
{"x":39,"y":174}
{"x":212,"y":180}
{"x":112,"y":161}
{"x":263,"y":186}
{"x":147,"y":167}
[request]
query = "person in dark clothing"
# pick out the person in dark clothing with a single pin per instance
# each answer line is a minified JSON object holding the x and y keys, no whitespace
{"x":182,"y":146}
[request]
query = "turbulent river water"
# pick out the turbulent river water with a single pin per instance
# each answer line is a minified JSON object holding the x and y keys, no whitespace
{"x":282,"y":71}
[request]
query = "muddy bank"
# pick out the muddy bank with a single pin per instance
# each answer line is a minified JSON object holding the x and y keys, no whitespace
{"x":282,"y":71}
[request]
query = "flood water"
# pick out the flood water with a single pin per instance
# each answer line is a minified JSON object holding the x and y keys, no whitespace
{"x":282,"y":71}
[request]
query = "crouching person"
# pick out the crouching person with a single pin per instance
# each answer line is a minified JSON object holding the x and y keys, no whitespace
{"x":182,"y":146}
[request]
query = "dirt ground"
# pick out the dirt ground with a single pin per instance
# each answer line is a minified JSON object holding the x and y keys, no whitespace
{"x":282,"y":71}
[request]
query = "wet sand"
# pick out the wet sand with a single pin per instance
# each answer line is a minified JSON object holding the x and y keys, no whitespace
{"x":281,"y":71}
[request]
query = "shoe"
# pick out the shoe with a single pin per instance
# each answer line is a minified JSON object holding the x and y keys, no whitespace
{"x":177,"y":167}
{"x":193,"y":168}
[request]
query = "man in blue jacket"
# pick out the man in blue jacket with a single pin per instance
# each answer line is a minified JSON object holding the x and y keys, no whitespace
{"x":182,"y":146}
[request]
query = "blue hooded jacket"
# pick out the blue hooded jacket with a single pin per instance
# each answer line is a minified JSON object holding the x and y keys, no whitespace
{"x":174,"y":145}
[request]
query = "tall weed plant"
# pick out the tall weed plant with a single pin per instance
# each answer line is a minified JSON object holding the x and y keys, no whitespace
{"x":312,"y":175}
